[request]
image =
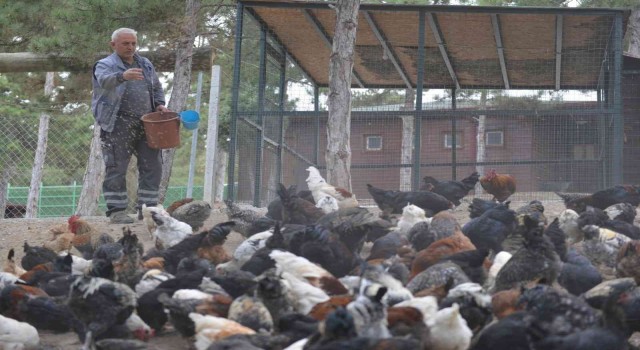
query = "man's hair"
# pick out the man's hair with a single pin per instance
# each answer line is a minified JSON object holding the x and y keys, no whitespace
{"x":119,"y":31}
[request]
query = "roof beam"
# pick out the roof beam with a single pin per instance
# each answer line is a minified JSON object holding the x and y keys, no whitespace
{"x":327,"y":40}
{"x":438,"y":36}
{"x":497,"y":33}
{"x":559,"y":31}
{"x":387,"y":48}
{"x":273,"y":35}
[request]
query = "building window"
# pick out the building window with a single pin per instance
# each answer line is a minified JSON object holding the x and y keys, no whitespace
{"x":448,"y":140}
{"x":374,"y":143}
{"x":584,"y":152}
{"x":494,"y":138}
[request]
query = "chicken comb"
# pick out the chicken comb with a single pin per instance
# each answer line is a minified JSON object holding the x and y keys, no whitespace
{"x":73,"y":218}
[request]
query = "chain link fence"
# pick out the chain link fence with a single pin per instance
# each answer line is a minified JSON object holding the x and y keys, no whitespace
{"x":68,"y":144}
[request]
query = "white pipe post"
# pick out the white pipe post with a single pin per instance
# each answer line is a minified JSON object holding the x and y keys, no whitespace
{"x":212,"y":135}
{"x":194,"y":141}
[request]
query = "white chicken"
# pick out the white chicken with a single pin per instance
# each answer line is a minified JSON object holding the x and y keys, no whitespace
{"x":304,"y":295}
{"x":170,"y":231}
{"x":245,"y":251}
{"x":79,"y":266}
{"x":298,"y":267}
{"x":320,"y":188}
{"x":449,"y":331}
{"x":498,"y":262}
{"x":328,"y":204}
{"x":210,"y":328}
{"x":411,"y":215}
{"x":16,"y":335}
{"x":428,"y":306}
{"x":568,"y":222}
{"x":148,"y":220}
{"x":150,"y":280}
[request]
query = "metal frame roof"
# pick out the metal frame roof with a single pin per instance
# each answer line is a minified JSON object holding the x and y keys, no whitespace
{"x":467,"y":47}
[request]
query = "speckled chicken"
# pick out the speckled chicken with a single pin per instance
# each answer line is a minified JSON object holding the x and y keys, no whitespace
{"x":536,"y":261}
{"x":249,"y":220}
{"x":193,"y":213}
{"x":552,"y":312}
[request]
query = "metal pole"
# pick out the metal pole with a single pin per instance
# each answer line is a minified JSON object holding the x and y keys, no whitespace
{"x":417,"y":120}
{"x":454,"y":139}
{"x":194,"y":141}
{"x":262,"y":81}
{"x":316,"y":140}
{"x":234,"y":102}
{"x":283,"y":93}
{"x":618,"y":118}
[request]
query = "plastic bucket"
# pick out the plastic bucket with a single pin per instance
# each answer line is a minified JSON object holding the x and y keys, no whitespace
{"x":190,"y":119}
{"x":162,"y":129}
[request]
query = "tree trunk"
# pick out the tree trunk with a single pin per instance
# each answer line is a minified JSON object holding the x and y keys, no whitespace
{"x":132,"y":184}
{"x":633,"y":30}
{"x":163,"y":61}
{"x":221,"y":172}
{"x":5,"y":175}
{"x":93,"y":177}
{"x":480,"y":141}
{"x":406,"y":151}
{"x":41,"y":153}
{"x":338,"y":155}
{"x":181,"y":83}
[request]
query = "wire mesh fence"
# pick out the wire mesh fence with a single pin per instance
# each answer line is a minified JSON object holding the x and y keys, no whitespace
{"x":536,"y":93}
{"x":67,"y":152}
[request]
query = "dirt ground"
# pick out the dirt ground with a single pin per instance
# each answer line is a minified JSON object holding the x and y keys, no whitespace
{"x":13,"y":233}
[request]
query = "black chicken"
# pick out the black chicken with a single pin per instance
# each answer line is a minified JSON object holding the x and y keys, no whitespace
{"x":491,"y":228}
{"x":392,"y":202}
{"x":478,"y":206}
{"x":452,"y":190}
{"x":188,"y":247}
{"x":354,"y":225}
{"x":36,"y":255}
{"x":100,"y":304}
{"x":536,"y":261}
{"x":296,"y":210}
{"x":603,"y":198}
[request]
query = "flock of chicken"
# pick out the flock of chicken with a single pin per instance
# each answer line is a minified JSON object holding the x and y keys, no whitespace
{"x":320,"y":272}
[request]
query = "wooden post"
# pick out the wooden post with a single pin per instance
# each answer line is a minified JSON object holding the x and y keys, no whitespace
{"x":41,"y":153}
{"x":338,"y":156}
{"x":210,"y":184}
{"x":633,"y":31}
{"x":93,"y":177}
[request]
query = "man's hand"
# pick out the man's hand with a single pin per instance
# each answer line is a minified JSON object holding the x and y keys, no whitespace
{"x":133,"y":74}
{"x":162,"y":108}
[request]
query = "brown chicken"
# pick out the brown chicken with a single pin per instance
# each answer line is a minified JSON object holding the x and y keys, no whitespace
{"x":455,"y":243}
{"x":86,"y":238}
{"x":322,"y":310}
{"x":61,"y":239}
{"x":11,"y":266}
{"x":628,"y":261}
{"x":500,"y":186}
{"x":505,"y":302}
{"x":12,"y":297}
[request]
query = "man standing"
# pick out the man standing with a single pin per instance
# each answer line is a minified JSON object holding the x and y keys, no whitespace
{"x":126,"y":87}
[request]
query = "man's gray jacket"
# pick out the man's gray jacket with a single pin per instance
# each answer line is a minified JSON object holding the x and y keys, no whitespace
{"x":108,"y":88}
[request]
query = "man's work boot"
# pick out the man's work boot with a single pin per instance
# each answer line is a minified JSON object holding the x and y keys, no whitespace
{"x":120,"y":217}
